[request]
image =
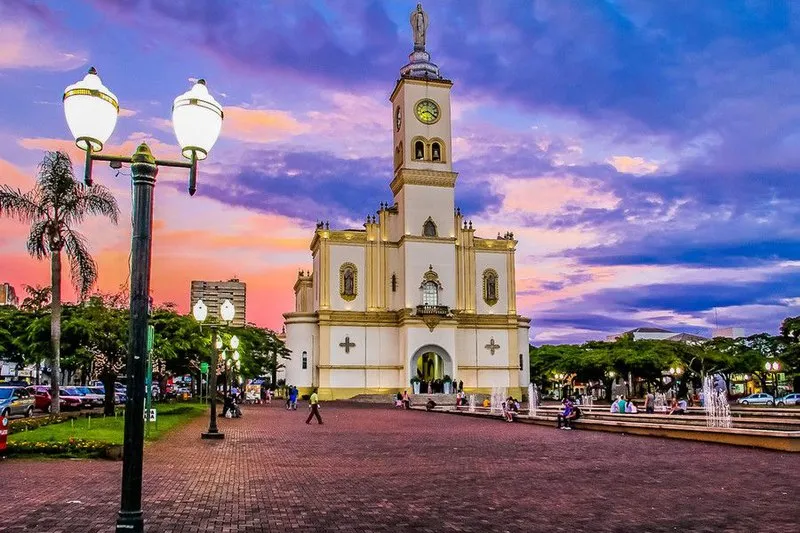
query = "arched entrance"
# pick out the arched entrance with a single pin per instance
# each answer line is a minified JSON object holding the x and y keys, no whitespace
{"x":431,"y":363}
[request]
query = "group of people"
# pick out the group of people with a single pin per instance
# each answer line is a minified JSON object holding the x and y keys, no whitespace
{"x":291,"y":398}
{"x":436,"y":386}
{"x":569,"y":413}
{"x":510,"y":407}
{"x":623,"y":405}
{"x":403,"y":400}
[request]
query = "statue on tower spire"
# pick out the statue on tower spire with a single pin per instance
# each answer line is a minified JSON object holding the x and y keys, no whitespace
{"x":420,"y":65}
{"x":419,"y":25}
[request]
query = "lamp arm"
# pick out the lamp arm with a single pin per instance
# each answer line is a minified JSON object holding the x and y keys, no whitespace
{"x":92,"y":156}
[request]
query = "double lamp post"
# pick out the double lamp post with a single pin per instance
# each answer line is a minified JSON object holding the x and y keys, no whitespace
{"x":91,"y":110}
{"x":226,"y":312}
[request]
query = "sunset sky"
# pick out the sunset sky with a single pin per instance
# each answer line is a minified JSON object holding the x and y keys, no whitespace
{"x":645,"y":154}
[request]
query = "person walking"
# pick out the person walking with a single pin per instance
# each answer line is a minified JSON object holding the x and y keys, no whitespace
{"x":313,"y":404}
{"x":293,"y":397}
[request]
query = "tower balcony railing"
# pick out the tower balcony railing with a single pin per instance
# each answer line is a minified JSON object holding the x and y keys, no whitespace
{"x":437,"y":310}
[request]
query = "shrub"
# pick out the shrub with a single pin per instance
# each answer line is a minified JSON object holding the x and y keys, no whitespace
{"x":70,"y":448}
{"x":27,"y":424}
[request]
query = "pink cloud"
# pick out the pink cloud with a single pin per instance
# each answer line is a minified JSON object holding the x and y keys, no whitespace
{"x":20,"y":49}
{"x":260,"y":125}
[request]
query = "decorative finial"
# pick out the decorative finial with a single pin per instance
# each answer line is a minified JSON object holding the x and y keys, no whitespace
{"x":201,"y":81}
{"x":92,"y":70}
{"x":470,"y":224}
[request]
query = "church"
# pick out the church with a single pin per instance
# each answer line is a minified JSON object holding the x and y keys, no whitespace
{"x":415,"y":294}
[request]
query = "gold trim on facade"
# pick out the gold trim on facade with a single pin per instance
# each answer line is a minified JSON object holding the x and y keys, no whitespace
{"x":433,"y":178}
{"x":494,"y":245}
{"x":362,"y":367}
{"x":413,"y":81}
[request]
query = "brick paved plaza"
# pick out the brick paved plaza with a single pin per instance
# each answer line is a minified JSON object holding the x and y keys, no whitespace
{"x":371,"y":468}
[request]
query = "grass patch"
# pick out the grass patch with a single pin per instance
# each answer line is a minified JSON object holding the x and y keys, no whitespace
{"x":108,"y":429}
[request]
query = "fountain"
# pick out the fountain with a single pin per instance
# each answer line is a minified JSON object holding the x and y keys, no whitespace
{"x":471,"y":403}
{"x":496,"y":400}
{"x":533,"y":400}
{"x":715,"y":404}
{"x":660,"y":403}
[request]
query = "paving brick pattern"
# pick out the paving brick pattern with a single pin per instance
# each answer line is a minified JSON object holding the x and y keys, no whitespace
{"x":372,"y":468}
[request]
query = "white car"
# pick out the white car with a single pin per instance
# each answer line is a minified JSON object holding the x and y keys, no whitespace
{"x":760,"y":398}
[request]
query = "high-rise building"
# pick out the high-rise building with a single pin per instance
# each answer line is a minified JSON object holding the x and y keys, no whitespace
{"x":7,"y":294}
{"x":213,"y":293}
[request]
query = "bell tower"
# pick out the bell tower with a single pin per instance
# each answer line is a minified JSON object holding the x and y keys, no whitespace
{"x":424,"y":181}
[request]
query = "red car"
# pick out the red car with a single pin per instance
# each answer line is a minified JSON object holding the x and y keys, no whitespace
{"x":43,"y":399}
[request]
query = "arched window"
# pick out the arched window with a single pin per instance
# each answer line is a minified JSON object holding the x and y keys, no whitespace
{"x":490,"y":289}
{"x":430,"y":293}
{"x":436,"y":152}
{"x":348,"y":281}
{"x":521,"y":366}
{"x":305,"y":360}
{"x":429,"y":228}
{"x":419,"y":150}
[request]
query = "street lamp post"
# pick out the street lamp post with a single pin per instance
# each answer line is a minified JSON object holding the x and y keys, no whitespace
{"x":675,"y":372}
{"x":226,"y":312}
{"x":91,"y":111}
{"x":773,"y":367}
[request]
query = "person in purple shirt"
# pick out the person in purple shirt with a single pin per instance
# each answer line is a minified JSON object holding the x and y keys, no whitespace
{"x":566,"y":414}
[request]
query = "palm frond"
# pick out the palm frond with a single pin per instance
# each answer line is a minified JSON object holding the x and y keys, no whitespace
{"x":24,"y":206}
{"x":97,"y":200}
{"x":38,"y":239}
{"x":56,"y":179}
{"x":83,"y":269}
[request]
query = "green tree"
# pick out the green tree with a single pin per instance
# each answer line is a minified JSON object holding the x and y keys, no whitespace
{"x":54,"y":207}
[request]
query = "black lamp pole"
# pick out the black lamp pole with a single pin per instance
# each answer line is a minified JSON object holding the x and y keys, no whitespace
{"x":143,"y":174}
{"x":144,"y":168}
{"x":213,"y":432}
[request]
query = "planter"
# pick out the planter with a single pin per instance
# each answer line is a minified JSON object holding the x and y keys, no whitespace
{"x":415,"y":385}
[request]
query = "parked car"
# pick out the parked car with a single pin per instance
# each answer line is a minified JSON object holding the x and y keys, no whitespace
{"x":96,"y":400}
{"x":86,"y":401}
{"x":15,"y":401}
{"x":789,"y":399}
{"x":43,"y":399}
{"x":759,"y":398}
{"x":119,"y":397}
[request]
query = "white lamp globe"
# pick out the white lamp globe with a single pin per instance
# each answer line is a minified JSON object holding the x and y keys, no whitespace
{"x":227,"y":311}
{"x":234,"y":342}
{"x":219,"y":343}
{"x":768,"y":366}
{"x":91,"y":111}
{"x":197,"y":120}
{"x":224,"y":355}
{"x":200,"y":311}
{"x":236,"y":355}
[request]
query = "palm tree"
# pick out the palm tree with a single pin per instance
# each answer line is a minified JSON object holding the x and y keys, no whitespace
{"x":53,"y":208}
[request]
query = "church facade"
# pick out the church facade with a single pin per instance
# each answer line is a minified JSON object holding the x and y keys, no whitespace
{"x":415,"y":293}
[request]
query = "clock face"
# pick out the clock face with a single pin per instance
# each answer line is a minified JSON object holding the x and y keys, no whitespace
{"x":427,"y":111}
{"x":398,"y":118}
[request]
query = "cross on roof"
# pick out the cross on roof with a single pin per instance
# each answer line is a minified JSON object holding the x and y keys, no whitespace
{"x":492,"y":346}
{"x":347,"y":344}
